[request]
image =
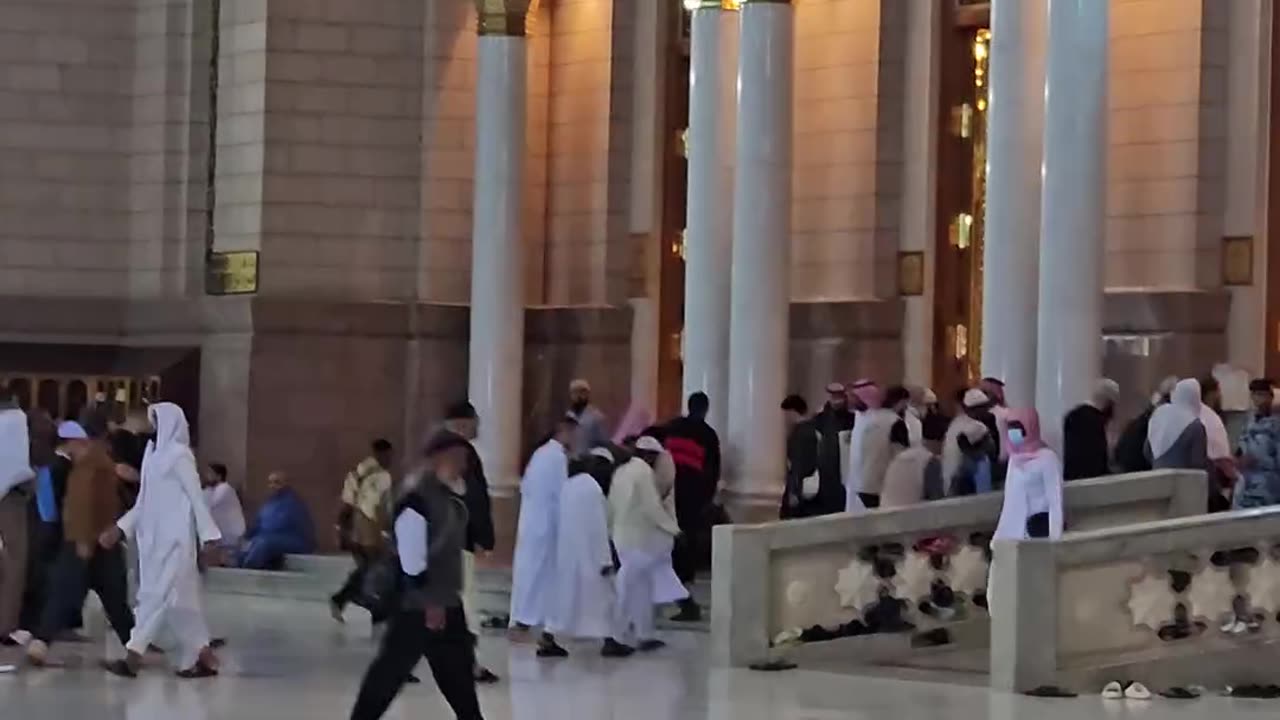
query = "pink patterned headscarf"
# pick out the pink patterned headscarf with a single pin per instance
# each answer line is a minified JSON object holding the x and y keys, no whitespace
{"x":1031,"y":442}
{"x":869,"y":393}
{"x":633,"y":422}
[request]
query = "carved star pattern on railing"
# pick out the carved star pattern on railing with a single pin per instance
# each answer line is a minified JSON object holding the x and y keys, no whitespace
{"x":857,"y":585}
{"x":1151,"y":602}
{"x":1263,"y":588}
{"x":1211,"y":594}
{"x":967,"y":571}
{"x":915,"y":578}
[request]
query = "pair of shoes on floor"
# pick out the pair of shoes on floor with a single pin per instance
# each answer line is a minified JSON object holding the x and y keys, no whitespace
{"x":1133,"y":691}
{"x":37,"y":653}
{"x":1255,"y":692}
{"x":1240,"y":626}
{"x":1181,"y":693}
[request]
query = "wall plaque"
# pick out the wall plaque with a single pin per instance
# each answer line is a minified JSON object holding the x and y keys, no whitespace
{"x":232,"y":273}
{"x":1237,"y":260}
{"x":910,"y":273}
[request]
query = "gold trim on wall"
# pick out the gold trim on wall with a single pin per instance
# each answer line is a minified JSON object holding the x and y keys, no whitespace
{"x":1237,"y":260}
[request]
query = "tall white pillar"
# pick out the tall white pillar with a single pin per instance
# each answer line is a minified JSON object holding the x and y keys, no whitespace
{"x":1015,"y":131}
{"x":709,"y":236}
{"x":497,"y":287}
{"x":1072,"y":227}
{"x":760,"y":292}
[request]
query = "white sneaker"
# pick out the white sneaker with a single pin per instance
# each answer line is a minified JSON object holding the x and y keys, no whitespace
{"x":21,"y":637}
{"x":1112,"y":691}
{"x":38,"y":653}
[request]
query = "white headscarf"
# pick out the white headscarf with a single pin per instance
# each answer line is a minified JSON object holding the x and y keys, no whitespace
{"x":173,"y":438}
{"x":15,"y":450}
{"x":1171,"y":419}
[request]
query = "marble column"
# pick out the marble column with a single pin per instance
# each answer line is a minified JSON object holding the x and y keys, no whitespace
{"x":760,"y":285}
{"x":709,"y":237}
{"x":1072,"y":230}
{"x":1010,"y":258}
{"x":497,"y":287}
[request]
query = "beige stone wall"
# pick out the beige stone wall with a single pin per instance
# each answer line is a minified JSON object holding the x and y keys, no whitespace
{"x":1167,"y":143}
{"x":341,"y":170}
{"x":848,"y":97}
{"x":66,"y":81}
{"x":169,"y":142}
{"x":579,"y":143}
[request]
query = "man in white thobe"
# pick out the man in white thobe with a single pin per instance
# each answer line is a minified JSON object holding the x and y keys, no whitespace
{"x":584,"y":600}
{"x":644,"y":532}
{"x":533,"y":573}
{"x":166,"y":521}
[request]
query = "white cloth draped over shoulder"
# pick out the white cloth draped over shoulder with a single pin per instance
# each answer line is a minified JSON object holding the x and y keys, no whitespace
{"x":168,"y":519}
{"x":584,"y":595}
{"x":534,"y":566}
{"x":15,"y":457}
{"x":1033,"y":485}
{"x":1169,"y":420}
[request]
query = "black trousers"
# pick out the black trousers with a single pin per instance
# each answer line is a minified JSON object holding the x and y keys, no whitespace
{"x":350,"y":590}
{"x":692,"y":549}
{"x":870,"y":500}
{"x":71,"y":578}
{"x":450,"y":652}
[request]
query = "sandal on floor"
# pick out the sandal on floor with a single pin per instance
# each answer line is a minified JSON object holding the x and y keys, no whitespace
{"x":1137,"y":691}
{"x":119,"y":668}
{"x":1050,"y":691}
{"x":199,"y":670}
{"x":772,"y":666}
{"x":1180,"y":693}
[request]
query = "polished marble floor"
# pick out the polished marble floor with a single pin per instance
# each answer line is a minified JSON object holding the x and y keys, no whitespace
{"x":288,"y":661}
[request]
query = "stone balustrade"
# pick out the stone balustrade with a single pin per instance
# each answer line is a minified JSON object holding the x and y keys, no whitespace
{"x":888,"y":581}
{"x":1187,"y":601}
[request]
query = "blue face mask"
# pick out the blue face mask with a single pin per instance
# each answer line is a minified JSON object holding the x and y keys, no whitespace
{"x":1016,"y":436}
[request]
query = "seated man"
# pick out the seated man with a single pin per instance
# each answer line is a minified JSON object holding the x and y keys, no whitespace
{"x":281,"y":528}
{"x":224,"y":506}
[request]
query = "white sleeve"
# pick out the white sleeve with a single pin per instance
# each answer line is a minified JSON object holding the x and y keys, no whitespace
{"x":411,"y":542}
{"x":1013,"y":511}
{"x":206,"y":528}
{"x":128,"y":522}
{"x":1052,"y":479}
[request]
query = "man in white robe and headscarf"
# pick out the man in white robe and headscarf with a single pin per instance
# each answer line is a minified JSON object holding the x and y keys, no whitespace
{"x":879,"y":433}
{"x":15,"y":484}
{"x":644,"y":531}
{"x":170,"y":522}
{"x":585,"y":599}
{"x":533,"y":574}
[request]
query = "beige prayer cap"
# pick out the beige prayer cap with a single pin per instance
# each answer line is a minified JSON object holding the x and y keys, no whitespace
{"x":579,"y":384}
{"x":1107,"y":389}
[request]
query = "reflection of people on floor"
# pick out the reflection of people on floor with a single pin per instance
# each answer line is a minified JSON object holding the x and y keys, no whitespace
{"x":282,"y":527}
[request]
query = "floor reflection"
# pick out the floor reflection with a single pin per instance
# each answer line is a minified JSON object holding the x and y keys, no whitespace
{"x":288,"y":661}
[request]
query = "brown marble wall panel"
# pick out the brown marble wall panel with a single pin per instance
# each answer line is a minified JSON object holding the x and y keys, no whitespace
{"x":844,"y":341}
{"x":1148,"y":336}
{"x":562,"y":344}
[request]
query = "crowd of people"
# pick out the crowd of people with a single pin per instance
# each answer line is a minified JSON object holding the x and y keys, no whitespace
{"x":611,"y":527}
{"x":70,"y":493}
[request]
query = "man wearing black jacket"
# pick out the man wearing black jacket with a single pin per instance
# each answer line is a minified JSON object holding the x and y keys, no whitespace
{"x":461,"y":419}
{"x":836,"y":418}
{"x":694,"y":447}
